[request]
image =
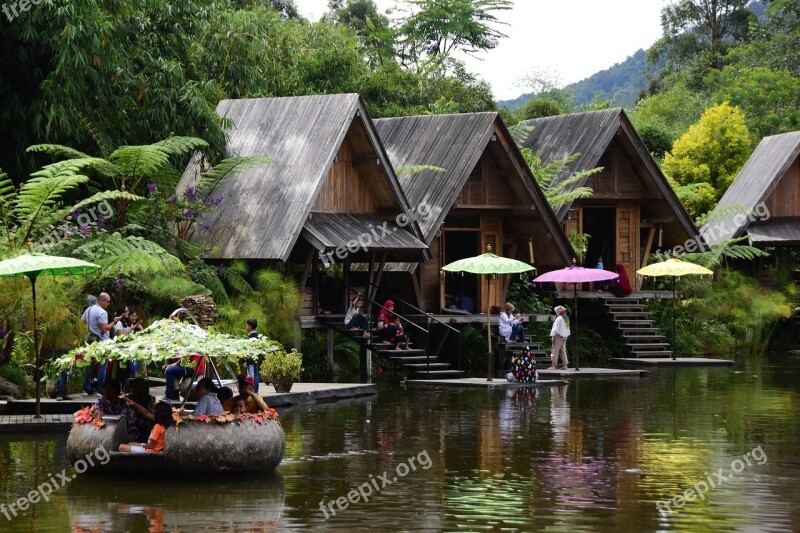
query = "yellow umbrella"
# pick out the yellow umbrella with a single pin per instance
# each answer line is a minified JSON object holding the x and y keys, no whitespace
{"x":673,"y":267}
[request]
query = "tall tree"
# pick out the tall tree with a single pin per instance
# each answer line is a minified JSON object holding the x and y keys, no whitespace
{"x":712,"y":152}
{"x":698,"y":32}
{"x":436,"y":28}
{"x":373,"y":28}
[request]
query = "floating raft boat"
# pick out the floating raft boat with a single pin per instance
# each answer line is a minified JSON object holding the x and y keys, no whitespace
{"x":195,"y":447}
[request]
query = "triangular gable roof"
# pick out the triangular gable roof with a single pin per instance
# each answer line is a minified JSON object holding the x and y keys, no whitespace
{"x":265,"y":208}
{"x":755,"y":182}
{"x":454,"y":143}
{"x":590,"y":133}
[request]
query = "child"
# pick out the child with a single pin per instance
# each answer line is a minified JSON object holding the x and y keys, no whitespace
{"x":163,"y":419}
{"x":239,"y":405}
{"x":399,"y":336}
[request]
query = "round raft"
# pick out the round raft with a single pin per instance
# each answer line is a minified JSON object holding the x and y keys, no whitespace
{"x":191,"y":447}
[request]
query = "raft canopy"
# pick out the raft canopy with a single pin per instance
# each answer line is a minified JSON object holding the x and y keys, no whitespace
{"x":165,"y":340}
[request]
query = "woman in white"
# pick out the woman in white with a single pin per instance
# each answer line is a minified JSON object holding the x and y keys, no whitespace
{"x":510,"y":327}
{"x":559,"y":334}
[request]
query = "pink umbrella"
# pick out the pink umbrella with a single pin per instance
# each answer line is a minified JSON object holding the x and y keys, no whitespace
{"x":576,"y":274}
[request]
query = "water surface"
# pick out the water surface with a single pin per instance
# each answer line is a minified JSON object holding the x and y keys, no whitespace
{"x":593,"y":455}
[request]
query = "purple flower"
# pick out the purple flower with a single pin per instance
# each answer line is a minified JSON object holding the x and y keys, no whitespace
{"x":190,"y":193}
{"x":190,"y":213}
{"x":84,"y":229}
{"x":76,"y":213}
{"x":103,"y":223}
{"x":151,"y":187}
{"x":214,"y":202}
{"x":118,"y":285}
{"x":206,"y":227}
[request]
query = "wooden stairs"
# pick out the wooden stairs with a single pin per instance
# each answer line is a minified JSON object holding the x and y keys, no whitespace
{"x":416,"y":361}
{"x":637,"y":329}
{"x":505,"y":349}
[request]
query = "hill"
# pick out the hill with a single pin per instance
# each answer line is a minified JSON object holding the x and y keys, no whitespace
{"x":622,"y":83}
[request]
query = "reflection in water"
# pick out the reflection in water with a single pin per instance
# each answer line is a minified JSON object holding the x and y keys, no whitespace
{"x":587,"y":456}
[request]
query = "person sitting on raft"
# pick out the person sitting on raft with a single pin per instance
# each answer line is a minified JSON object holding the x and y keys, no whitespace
{"x":207,"y":401}
{"x":143,"y":407}
{"x":254,"y":402}
{"x":110,"y":403}
{"x":155,"y":443}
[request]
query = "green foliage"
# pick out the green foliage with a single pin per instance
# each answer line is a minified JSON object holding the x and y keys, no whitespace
{"x":522,"y":294}
{"x":580,"y":244}
{"x":712,"y":151}
{"x":769,"y":99}
{"x":434,"y":30}
{"x":539,"y":107}
{"x":558,"y":192}
{"x":134,"y":256}
{"x":14,"y":375}
{"x":282,"y":364}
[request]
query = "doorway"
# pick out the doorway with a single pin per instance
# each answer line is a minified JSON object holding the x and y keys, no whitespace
{"x":460,"y":290}
{"x":600,"y":222}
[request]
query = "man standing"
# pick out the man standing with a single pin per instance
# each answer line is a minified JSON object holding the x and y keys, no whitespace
{"x":96,"y":318}
{"x":559,"y":334}
{"x":252,"y":364}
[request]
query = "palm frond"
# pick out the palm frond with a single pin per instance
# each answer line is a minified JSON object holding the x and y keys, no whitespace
{"x":235,"y":280}
{"x":46,"y":188}
{"x":7,"y":196}
{"x":105,"y":196}
{"x":416,"y":169}
{"x":207,"y":276}
{"x":180,"y":145}
{"x":721,"y":212}
{"x":134,"y":256}
{"x":226,"y":168}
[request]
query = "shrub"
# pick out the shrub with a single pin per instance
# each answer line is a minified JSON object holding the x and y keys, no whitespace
{"x":14,"y":375}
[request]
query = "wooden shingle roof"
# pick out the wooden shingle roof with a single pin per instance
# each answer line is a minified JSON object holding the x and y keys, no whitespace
{"x":264,"y":209}
{"x":590,"y":134}
{"x":454,"y":143}
{"x":755,"y":182}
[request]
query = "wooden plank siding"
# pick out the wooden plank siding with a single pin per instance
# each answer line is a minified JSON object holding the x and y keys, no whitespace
{"x":770,"y":175}
{"x":630,"y":178}
{"x":784,"y":201}
{"x":326,"y":156}
{"x":486,"y":189}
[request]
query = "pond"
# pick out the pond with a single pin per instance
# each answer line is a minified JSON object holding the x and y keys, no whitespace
{"x":717,"y":447}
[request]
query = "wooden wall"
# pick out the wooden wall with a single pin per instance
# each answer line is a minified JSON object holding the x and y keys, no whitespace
{"x":618,"y":178}
{"x":346,"y":190}
{"x":486,"y":186}
{"x":784,"y":201}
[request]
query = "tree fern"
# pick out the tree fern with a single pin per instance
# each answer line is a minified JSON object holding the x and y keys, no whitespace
{"x":179,"y":145}
{"x":134,"y":256}
{"x":105,"y":196}
{"x":168,"y":287}
{"x":223,"y":170}
{"x":563,"y":192}
{"x":416,"y":169}
{"x":729,"y":249}
{"x":138,"y":162}
{"x":45,"y":189}
{"x":7,"y":196}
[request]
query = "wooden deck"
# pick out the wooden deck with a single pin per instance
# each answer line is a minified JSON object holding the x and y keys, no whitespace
{"x":604,"y":295}
{"x":668,"y":361}
{"x":496,"y":383}
{"x":587,"y":372}
{"x":321,"y":321}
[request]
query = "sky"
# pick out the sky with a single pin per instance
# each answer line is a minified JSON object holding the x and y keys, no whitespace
{"x":572,"y":38}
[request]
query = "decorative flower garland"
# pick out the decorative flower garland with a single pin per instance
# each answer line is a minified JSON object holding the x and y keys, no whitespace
{"x":88,"y":415}
{"x":164,"y":340}
{"x":227,"y":418}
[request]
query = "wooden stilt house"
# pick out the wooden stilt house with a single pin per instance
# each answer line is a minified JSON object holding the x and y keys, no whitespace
{"x":767,"y":194}
{"x":483,"y":196}
{"x":330,"y":196}
{"x":633,"y":211}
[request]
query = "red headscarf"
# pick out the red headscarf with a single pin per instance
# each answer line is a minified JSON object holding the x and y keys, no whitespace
{"x":623,"y":281}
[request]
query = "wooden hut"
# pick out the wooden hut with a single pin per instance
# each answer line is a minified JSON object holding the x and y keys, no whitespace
{"x":330,"y":196}
{"x":633,"y":210}
{"x":767,"y":190}
{"x":482,"y":195}
{"x":763,"y":202}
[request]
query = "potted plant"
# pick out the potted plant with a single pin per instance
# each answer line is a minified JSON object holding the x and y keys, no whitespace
{"x":281,"y":368}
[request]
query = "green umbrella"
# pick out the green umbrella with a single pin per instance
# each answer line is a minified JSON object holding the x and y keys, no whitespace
{"x":31,"y":266}
{"x":488,"y":263}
